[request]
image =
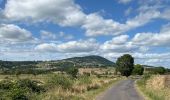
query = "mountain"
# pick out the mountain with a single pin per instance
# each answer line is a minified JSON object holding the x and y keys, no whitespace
{"x":87,"y":61}
{"x":90,"y":61}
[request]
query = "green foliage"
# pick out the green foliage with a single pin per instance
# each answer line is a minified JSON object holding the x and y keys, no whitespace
{"x":159,"y":70}
{"x":18,"y":94}
{"x":73,"y":71}
{"x":60,"y":81}
{"x":138,"y":70}
{"x":19,"y":89}
{"x":125,"y":65}
{"x":30,"y":85}
{"x":6,"y":84}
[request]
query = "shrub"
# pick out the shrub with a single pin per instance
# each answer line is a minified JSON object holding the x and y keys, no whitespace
{"x":18,"y":94}
{"x":61,"y":81}
{"x":6,"y":85}
{"x":19,"y":89}
{"x":159,"y":70}
{"x":138,"y":70}
{"x":31,"y":85}
{"x":73,"y":71}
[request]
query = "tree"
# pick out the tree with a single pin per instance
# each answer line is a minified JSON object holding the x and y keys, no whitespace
{"x":138,"y":70}
{"x":159,"y":70}
{"x":125,"y":65}
{"x":73,"y":71}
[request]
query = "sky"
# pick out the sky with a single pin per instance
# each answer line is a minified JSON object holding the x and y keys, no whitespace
{"x":57,"y":29}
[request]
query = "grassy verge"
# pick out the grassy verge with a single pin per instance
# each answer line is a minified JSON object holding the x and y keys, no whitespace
{"x":91,"y":95}
{"x":149,"y":92}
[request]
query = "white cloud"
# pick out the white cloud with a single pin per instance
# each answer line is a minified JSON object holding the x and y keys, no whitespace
{"x":13,"y":33}
{"x":96,"y":25}
{"x":62,"y":12}
{"x":153,"y":39}
{"x":124,"y":1}
{"x":142,"y":19}
{"x":46,"y":47}
{"x":68,"y":13}
{"x":69,"y":47}
{"x":118,"y":44}
{"x":46,"y":35}
{"x":118,"y":40}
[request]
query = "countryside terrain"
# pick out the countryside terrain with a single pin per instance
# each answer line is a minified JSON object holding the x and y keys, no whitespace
{"x":81,"y":78}
{"x":84,"y":49}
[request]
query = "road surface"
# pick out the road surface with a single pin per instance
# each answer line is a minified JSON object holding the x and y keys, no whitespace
{"x":124,"y":90}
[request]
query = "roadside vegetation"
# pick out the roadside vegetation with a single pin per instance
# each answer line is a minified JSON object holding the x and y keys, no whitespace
{"x":155,"y":87}
{"x":70,"y":84}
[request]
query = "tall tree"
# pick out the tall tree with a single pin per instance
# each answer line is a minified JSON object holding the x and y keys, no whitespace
{"x":125,"y":65}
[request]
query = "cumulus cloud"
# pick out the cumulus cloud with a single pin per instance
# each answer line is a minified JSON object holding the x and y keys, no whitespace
{"x":13,"y":33}
{"x":68,"y":13}
{"x":62,"y":12}
{"x":142,"y":19}
{"x":118,"y":44}
{"x":153,"y":39}
{"x":46,"y":35}
{"x":96,"y":25}
{"x":69,"y":47}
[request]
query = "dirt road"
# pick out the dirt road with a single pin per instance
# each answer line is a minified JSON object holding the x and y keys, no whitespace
{"x":124,"y":90}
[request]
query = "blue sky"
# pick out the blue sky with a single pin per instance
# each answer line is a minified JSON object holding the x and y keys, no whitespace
{"x":57,"y":29}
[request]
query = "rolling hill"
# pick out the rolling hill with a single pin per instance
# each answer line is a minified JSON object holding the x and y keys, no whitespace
{"x":89,"y":61}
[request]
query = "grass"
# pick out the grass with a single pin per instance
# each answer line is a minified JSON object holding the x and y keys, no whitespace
{"x":150,"y":92}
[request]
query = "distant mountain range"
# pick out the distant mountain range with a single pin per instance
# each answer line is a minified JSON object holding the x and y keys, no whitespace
{"x":87,"y":61}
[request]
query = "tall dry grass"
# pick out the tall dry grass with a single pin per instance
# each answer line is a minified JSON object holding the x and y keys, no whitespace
{"x":156,"y":87}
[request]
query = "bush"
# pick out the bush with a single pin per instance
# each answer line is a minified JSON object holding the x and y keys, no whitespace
{"x":18,"y":94}
{"x":73,"y":71}
{"x":159,"y":70}
{"x":19,"y":89}
{"x":6,"y":85}
{"x":60,"y":81}
{"x":138,"y":70}
{"x":31,"y":85}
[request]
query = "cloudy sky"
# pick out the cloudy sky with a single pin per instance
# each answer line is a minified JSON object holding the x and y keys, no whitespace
{"x":56,"y":29}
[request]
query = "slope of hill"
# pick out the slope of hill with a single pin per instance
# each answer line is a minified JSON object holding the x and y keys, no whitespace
{"x":90,"y":61}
